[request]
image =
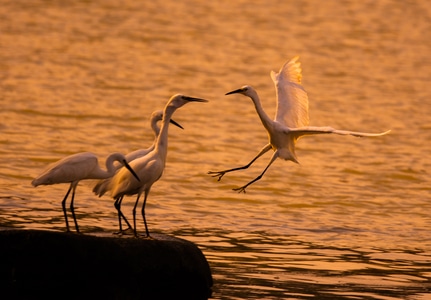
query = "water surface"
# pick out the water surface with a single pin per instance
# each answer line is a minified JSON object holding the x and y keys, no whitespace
{"x":352,"y":221}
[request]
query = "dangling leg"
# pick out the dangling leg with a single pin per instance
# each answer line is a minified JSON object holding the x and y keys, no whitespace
{"x":134,"y":215}
{"x":242,"y":189}
{"x":220,"y":174}
{"x":63,"y":204}
{"x":72,"y":208}
{"x":143,"y":213}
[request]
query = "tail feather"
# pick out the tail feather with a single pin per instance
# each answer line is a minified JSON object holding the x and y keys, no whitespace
{"x":102,"y":187}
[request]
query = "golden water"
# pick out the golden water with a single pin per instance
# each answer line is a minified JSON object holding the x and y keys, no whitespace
{"x":351,"y":221}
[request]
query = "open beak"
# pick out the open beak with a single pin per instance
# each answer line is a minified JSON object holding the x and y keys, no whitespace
{"x":234,"y":92}
{"x":176,"y":124}
{"x":131,"y":170}
{"x":193,"y":99}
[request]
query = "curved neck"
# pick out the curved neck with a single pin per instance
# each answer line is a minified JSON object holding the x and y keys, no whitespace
{"x":110,"y":168}
{"x":266,"y":121}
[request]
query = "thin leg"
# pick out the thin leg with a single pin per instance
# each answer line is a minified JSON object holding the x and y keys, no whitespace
{"x":117,"y":205}
{"x":242,"y":189}
{"x":143,"y":213}
{"x":121,"y":213}
{"x":72,"y":208}
{"x":134,"y":215}
{"x":220,"y":174}
{"x":63,"y":204}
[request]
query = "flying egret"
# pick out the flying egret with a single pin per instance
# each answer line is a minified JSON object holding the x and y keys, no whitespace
{"x":101,"y":187}
{"x":75,"y":168}
{"x":291,"y":119}
{"x":149,"y":167}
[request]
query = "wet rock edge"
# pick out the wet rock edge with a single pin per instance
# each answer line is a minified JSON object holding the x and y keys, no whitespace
{"x":49,"y":264}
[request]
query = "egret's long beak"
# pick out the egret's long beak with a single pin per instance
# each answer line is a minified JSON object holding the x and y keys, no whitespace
{"x":193,"y":99}
{"x":131,"y":170}
{"x":235,"y":92}
{"x":176,"y":124}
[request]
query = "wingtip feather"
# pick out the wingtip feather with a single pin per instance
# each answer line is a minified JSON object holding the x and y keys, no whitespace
{"x":292,"y":70}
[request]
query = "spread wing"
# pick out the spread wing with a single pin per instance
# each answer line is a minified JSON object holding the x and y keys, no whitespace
{"x":292,"y":99}
{"x":322,"y":130}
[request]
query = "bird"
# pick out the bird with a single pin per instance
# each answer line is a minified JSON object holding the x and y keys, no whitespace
{"x":150,"y":167}
{"x":74,"y":168}
{"x":101,"y":187}
{"x":291,"y":119}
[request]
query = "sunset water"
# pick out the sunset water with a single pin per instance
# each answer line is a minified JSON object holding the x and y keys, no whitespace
{"x":351,"y":221}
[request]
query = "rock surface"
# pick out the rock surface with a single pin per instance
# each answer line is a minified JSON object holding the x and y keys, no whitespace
{"x":56,"y":265}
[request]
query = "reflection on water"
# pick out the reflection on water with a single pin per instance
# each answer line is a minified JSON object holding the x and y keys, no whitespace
{"x":351,"y":221}
{"x":261,"y":264}
{"x":279,"y":267}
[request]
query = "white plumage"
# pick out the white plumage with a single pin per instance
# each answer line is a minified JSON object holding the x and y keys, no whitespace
{"x":74,"y":168}
{"x":103,"y":185}
{"x":291,"y":119}
{"x":149,"y":167}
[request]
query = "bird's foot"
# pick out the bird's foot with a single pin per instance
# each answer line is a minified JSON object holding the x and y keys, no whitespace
{"x":240,"y":189}
{"x":144,"y":236}
{"x":124,"y":231}
{"x":218,"y":174}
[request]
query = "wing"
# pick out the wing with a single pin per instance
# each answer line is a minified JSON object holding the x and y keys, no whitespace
{"x":148,"y":168}
{"x":322,"y":130}
{"x":292,"y":99}
{"x":71,"y":168}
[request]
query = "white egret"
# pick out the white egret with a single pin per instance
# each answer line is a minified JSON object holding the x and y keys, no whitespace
{"x":101,"y":187}
{"x":149,"y":167}
{"x":291,"y":119}
{"x":75,"y":168}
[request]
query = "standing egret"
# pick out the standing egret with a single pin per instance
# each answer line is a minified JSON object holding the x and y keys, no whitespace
{"x":149,"y":167}
{"x":75,"y":168}
{"x":291,"y":119}
{"x":102,"y":186}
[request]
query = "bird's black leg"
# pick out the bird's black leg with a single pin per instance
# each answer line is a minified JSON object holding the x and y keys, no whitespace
{"x":121,"y":213}
{"x":63,"y":204}
{"x":72,"y":208}
{"x":220,"y":174}
{"x":117,"y":205}
{"x":242,"y":189}
{"x":143,"y":214}
{"x":134,"y":215}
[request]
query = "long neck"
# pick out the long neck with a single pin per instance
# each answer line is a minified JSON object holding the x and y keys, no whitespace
{"x":266,"y":121}
{"x":156,"y":129}
{"x":110,"y":168}
{"x":162,"y":139}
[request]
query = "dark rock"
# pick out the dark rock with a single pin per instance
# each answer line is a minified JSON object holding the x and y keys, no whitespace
{"x":55,"y":265}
